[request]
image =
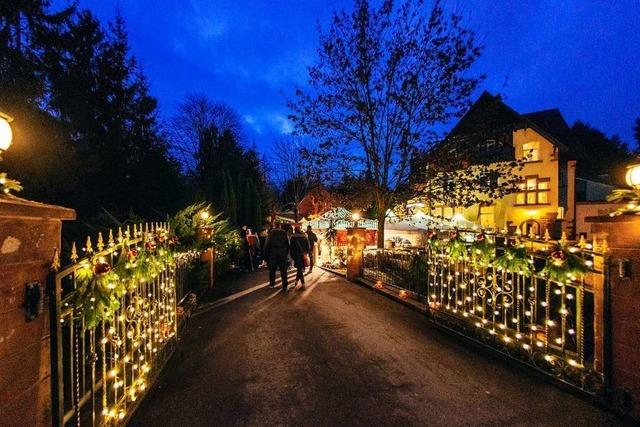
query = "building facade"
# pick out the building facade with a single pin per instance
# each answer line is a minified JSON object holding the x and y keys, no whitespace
{"x":545,"y":199}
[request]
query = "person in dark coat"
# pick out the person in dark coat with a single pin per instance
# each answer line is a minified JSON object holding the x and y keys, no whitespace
{"x":299,"y":251}
{"x":276,"y":252}
{"x":313,"y":240}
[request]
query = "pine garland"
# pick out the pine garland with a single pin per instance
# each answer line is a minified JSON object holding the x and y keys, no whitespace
{"x":563,"y":265}
{"x":482,"y":250}
{"x":515,"y":260}
{"x":457,"y":246}
{"x":8,"y":185}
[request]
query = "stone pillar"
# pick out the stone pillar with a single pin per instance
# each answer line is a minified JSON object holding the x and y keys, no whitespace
{"x":355,"y":252}
{"x":621,"y":312}
{"x":29,"y":236}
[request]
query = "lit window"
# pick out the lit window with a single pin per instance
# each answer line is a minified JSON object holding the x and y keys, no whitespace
{"x":531,"y":151}
{"x":533,"y":191}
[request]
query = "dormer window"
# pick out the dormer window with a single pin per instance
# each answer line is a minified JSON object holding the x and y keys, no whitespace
{"x":531,"y":151}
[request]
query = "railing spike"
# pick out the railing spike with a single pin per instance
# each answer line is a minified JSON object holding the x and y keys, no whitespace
{"x":604,"y":247}
{"x":74,"y":253}
{"x":140,"y":230}
{"x":120,"y":236}
{"x":89,"y":246}
{"x":100,"y":244}
{"x":594,"y":244}
{"x":563,"y":238}
{"x":55,"y":261}
{"x":135,"y":230}
{"x":582,"y":243}
{"x":111,"y":242}
{"x":547,"y":236}
{"x":532,"y":235}
{"x":127,"y":233}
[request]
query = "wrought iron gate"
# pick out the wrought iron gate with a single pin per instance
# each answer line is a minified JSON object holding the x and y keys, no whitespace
{"x":99,"y":374}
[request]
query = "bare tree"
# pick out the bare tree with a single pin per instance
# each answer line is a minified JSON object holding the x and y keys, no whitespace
{"x":385,"y":76}
{"x":196,"y":118}
{"x":291,"y":171}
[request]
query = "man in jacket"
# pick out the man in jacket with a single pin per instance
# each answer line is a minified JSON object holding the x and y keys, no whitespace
{"x":276,"y":251}
{"x":313,"y":239}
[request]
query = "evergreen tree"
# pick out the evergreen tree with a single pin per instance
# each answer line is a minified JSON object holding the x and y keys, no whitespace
{"x":598,"y":156}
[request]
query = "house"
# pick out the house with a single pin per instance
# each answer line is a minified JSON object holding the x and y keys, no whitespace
{"x":492,"y":131}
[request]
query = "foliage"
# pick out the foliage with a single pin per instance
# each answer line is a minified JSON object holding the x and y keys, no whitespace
{"x":7,"y":185}
{"x":456,"y":246}
{"x":563,"y":265}
{"x":514,"y":259}
{"x":208,"y":138}
{"x":292,"y":171}
{"x":100,"y":285}
{"x":598,"y":156}
{"x":385,"y":76}
{"x":82,"y":112}
{"x":482,"y":250}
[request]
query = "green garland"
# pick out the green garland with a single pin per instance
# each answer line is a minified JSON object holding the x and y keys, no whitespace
{"x":457,"y":247}
{"x":100,"y":285}
{"x":432,"y":240}
{"x":514,"y":259}
{"x":482,"y":250}
{"x":563,"y":265}
{"x":8,"y":185}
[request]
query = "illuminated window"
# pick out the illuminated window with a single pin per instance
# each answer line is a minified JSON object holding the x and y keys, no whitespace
{"x":533,"y":191}
{"x":486,"y":216}
{"x":531,"y":151}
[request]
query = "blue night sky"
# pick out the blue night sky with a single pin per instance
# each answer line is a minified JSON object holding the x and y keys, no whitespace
{"x":581,"y":56}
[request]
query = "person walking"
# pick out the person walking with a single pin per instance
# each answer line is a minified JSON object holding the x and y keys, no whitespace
{"x":276,"y":252}
{"x":313,"y":240}
{"x":299,"y":254}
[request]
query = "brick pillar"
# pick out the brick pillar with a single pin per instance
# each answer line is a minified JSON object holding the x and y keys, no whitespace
{"x":29,"y":235}
{"x":355,"y":251}
{"x":622,"y":320}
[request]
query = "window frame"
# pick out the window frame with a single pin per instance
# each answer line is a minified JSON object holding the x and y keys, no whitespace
{"x":533,"y":159}
{"x":525,"y":192}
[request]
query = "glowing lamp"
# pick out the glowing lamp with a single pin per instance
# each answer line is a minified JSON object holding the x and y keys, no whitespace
{"x":204,"y":215}
{"x":633,"y":176}
{"x":6,"y":136}
{"x":355,"y":216}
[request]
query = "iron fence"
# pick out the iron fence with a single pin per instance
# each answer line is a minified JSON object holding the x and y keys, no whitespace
{"x":549,"y":324}
{"x":100,"y":373}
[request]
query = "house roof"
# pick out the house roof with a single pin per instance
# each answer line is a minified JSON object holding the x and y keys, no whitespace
{"x":491,"y":112}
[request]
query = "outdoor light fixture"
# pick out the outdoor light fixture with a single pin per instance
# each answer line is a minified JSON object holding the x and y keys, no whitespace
{"x":6,"y":136}
{"x":204,"y":215}
{"x":633,"y":176}
{"x":355,"y":217}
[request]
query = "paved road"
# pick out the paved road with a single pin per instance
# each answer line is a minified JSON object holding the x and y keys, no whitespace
{"x":341,"y":355}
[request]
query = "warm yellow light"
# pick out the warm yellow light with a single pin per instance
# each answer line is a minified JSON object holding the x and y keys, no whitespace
{"x":6,"y":136}
{"x":355,"y":216}
{"x":633,"y":176}
{"x":204,"y":215}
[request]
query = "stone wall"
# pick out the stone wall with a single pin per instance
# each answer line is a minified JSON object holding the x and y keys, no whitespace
{"x":29,"y":236}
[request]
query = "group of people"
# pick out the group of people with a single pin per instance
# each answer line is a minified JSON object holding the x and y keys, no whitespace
{"x":287,"y":243}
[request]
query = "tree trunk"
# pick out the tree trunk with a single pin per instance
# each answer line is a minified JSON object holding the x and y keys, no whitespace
{"x":382,"y":216}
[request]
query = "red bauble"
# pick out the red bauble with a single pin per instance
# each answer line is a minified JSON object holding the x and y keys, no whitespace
{"x":133,"y":253}
{"x":480,"y":237}
{"x":431,"y":234}
{"x":101,"y":267}
{"x":453,"y":234}
{"x":558,"y":256}
{"x":151,"y":244}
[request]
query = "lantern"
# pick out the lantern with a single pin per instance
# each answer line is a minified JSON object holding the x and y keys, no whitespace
{"x":6,"y":135}
{"x":633,"y":176}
